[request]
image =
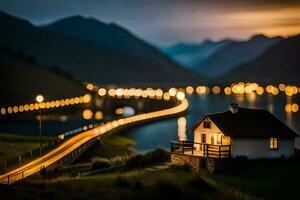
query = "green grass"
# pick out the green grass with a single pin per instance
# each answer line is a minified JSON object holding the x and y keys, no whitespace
{"x":136,"y":184}
{"x":13,"y":145}
{"x":112,"y":147}
{"x":116,"y":149}
{"x":268,"y":179}
{"x":260,"y":179}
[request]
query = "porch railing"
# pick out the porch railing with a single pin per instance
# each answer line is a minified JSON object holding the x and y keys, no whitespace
{"x":201,"y":149}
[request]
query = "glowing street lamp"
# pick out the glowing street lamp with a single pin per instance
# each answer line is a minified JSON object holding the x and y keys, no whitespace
{"x":39,"y":98}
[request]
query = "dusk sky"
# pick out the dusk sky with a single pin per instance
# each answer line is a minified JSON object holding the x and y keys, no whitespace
{"x":170,"y":21}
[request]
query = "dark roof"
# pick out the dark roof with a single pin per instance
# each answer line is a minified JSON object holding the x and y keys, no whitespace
{"x":249,"y":123}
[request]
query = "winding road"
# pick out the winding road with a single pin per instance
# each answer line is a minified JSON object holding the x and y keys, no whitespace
{"x":75,"y":142}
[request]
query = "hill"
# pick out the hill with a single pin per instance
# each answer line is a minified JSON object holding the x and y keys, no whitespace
{"x":89,"y":61}
{"x":110,"y":35}
{"x":189,"y":55}
{"x":279,"y":63}
{"x":234,"y":54}
{"x":21,"y":81}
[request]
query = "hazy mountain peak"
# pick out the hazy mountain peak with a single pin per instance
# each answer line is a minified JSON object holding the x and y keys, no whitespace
{"x":5,"y":16}
{"x":259,"y":37}
{"x":110,"y":35}
{"x":78,"y":19}
{"x":278,"y":63}
{"x":208,"y":41}
{"x":235,"y":54}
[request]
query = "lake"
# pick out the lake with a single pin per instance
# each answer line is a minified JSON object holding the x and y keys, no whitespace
{"x":159,"y":134}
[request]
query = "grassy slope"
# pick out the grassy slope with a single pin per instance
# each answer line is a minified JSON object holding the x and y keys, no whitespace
{"x":12,"y":145}
{"x":137,"y":184}
{"x":262,"y":179}
{"x":273,"y":179}
{"x":21,"y":81}
{"x":109,"y":147}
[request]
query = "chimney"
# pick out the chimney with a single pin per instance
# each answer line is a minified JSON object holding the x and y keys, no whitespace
{"x":234,"y":108}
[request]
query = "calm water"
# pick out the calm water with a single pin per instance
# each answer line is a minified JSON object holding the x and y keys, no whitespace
{"x":159,"y":134}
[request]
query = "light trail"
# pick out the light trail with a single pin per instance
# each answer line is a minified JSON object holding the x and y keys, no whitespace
{"x":75,"y":142}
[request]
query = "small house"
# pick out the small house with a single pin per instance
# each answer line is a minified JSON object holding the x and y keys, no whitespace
{"x":253,"y":133}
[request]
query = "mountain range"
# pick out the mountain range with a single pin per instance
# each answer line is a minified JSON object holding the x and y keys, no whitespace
{"x":110,"y":35}
{"x":189,"y":55}
{"x":214,"y":59}
{"x":114,"y":57}
{"x":89,"y":50}
{"x":279,"y":63}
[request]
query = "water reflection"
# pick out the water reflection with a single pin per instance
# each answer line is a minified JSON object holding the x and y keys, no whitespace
{"x":270,"y":103}
{"x":251,"y":99}
{"x":181,"y":122}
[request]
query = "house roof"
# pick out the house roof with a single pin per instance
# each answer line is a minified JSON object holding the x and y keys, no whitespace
{"x":249,"y":123}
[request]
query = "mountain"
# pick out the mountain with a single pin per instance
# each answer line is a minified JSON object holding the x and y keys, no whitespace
{"x":109,"y":35}
{"x":21,"y":81}
{"x":189,"y":55}
{"x":88,"y":60}
{"x":279,"y":63}
{"x":234,"y":54}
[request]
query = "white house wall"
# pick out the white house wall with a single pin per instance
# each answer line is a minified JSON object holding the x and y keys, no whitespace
{"x":259,"y":148}
{"x":200,"y":130}
{"x":297,"y":142}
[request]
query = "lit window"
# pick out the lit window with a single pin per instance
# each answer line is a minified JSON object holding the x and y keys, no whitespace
{"x":206,"y":124}
{"x":219,"y":139}
{"x":273,"y":143}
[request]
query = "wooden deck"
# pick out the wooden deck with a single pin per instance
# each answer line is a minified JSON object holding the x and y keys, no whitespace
{"x":201,"y":149}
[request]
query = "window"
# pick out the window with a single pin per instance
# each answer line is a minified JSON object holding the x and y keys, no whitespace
{"x":212,"y":139}
{"x":206,"y":124}
{"x":203,"y":138}
{"x":273,"y":143}
{"x":219,"y":139}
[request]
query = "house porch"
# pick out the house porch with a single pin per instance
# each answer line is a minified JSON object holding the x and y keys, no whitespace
{"x":200,"y":149}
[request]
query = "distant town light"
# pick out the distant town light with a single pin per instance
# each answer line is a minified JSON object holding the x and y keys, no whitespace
{"x":288,"y":108}
{"x":216,"y":90}
{"x":90,"y":86}
{"x":102,"y":91}
{"x":39,"y":98}
{"x":180,"y":95}
{"x":98,"y":115}
{"x":275,"y":91}
{"x":86,"y":99}
{"x":294,"y":89}
{"x":87,"y":114}
{"x":260,"y":90}
{"x":119,"y":92}
{"x":166,"y":96}
{"x":295,"y":107}
{"x":3,"y":111}
{"x":282,"y":87}
{"x":201,"y":90}
{"x":112,"y":92}
{"x":119,"y":111}
{"x":227,"y":90}
{"x":172,"y":92}
{"x":289,"y":91}
{"x":189,"y":89}
{"x":9,"y":110}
